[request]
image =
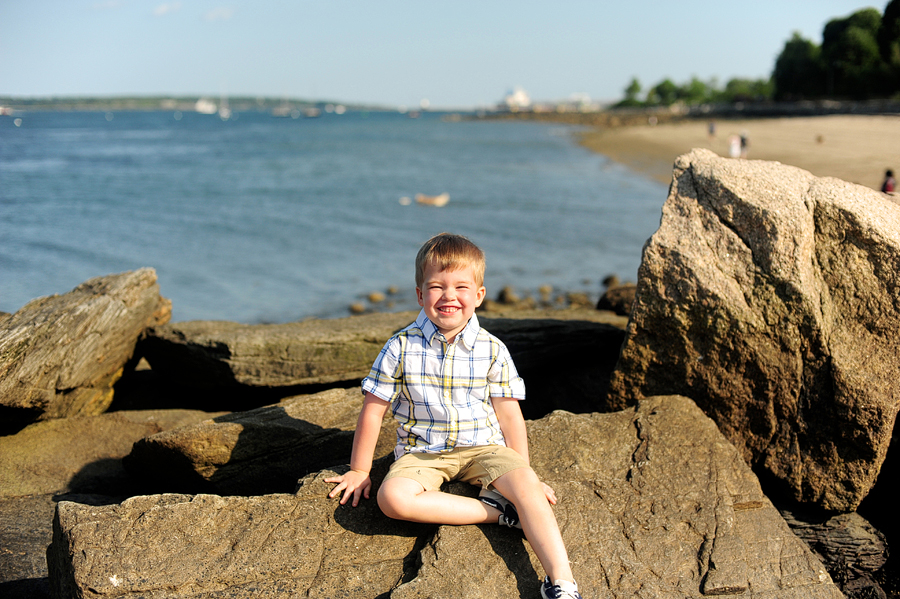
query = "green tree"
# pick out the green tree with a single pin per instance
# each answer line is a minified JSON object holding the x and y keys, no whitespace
{"x":747,"y":90}
{"x":851,"y":55}
{"x":664,"y":93}
{"x":888,"y":38}
{"x":798,"y":72}
{"x":888,"y":35}
{"x":693,"y":92}
{"x":633,"y":89}
{"x":631,"y":94}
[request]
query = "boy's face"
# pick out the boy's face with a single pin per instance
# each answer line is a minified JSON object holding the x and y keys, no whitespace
{"x":449,"y":298}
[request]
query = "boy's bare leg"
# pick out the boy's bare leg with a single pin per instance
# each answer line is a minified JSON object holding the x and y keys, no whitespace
{"x":524,"y":489}
{"x":405,"y":499}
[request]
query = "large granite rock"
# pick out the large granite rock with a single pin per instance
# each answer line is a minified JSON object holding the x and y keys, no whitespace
{"x":258,"y":451}
{"x":654,"y":502}
{"x":772,"y":298}
{"x":60,"y":355}
{"x":80,"y":454}
{"x":565,"y":356}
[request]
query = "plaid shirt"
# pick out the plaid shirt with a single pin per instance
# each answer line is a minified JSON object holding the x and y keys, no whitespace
{"x":440,"y":393}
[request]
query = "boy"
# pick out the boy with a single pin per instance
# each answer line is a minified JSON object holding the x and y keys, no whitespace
{"x":455,"y":393}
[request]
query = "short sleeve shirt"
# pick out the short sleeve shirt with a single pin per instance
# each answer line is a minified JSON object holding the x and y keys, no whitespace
{"x":440,"y":393}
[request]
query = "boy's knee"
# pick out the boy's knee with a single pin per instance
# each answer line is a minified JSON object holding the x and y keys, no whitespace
{"x":525,"y":475}
{"x":519,"y":483}
{"x":391,"y":500}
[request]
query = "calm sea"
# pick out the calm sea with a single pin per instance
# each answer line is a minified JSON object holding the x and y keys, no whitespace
{"x":264,"y":219}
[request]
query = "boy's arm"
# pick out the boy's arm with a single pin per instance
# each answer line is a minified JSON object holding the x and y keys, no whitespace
{"x":512,"y":424}
{"x":356,"y":482}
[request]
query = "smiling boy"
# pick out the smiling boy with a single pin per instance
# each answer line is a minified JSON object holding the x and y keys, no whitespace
{"x":455,"y":392}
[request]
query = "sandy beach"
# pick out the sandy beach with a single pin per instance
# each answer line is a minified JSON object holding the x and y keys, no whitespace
{"x":853,"y":148}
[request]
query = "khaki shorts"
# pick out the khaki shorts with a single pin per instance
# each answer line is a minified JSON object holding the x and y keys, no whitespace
{"x":480,"y":465}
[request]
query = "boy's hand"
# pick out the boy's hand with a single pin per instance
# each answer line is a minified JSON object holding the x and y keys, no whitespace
{"x":549,"y":493}
{"x":354,"y":482}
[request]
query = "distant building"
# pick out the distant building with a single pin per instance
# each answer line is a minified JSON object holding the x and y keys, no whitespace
{"x":516,"y":100}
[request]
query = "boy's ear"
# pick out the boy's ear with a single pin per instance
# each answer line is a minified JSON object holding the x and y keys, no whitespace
{"x":479,"y":296}
{"x":419,"y":297}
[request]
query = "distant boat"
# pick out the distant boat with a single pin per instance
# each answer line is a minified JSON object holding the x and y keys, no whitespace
{"x":312,"y":112}
{"x":204,"y":106}
{"x":438,"y":200}
{"x":284,"y":110}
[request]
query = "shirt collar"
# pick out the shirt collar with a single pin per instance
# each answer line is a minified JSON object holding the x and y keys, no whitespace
{"x":468,"y":335}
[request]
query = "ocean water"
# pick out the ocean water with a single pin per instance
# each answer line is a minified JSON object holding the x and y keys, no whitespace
{"x":264,"y":219}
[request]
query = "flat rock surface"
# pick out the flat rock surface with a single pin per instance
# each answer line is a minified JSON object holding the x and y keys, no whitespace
{"x":80,"y":454}
{"x":772,"y":298}
{"x":654,"y":502}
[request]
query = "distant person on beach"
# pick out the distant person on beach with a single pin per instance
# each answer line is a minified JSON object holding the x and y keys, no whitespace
{"x":745,"y":145}
{"x":889,"y":183}
{"x":734,"y":146}
{"x":455,"y":393}
{"x":711,"y":129}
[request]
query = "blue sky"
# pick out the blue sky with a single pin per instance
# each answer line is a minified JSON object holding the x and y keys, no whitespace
{"x":391,"y":52}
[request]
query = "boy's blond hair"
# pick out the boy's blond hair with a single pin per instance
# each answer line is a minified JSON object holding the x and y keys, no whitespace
{"x":447,"y":251}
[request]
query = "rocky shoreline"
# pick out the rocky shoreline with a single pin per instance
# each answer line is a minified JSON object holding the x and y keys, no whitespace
{"x":755,"y":368}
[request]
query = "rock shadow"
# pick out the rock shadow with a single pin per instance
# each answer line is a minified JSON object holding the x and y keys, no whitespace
{"x":27,"y":588}
{"x":270,"y":451}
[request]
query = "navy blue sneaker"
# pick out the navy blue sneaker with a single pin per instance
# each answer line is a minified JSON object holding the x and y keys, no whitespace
{"x":563,"y":589}
{"x":508,"y":514}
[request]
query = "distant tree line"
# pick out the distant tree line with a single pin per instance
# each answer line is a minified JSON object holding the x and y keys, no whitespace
{"x":859,"y":59}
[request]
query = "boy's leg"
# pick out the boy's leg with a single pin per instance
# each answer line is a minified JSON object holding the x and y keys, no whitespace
{"x":407,"y":499}
{"x":524,"y":489}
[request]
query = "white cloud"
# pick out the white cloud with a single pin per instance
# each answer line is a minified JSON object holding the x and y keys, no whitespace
{"x":220,"y":13}
{"x":164,"y":9}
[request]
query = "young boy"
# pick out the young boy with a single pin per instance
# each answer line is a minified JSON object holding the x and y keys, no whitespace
{"x":455,"y":393}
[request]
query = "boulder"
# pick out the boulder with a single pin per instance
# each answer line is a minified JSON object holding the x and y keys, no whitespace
{"x":278,"y":545}
{"x":60,"y":355}
{"x":26,"y":529}
{"x":849,"y":547}
{"x":618,"y":299}
{"x":222,"y":354}
{"x":258,"y":451}
{"x":80,"y":454}
{"x":563,"y":355}
{"x":25,"y":533}
{"x":654,"y":502}
{"x":772,"y":298}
